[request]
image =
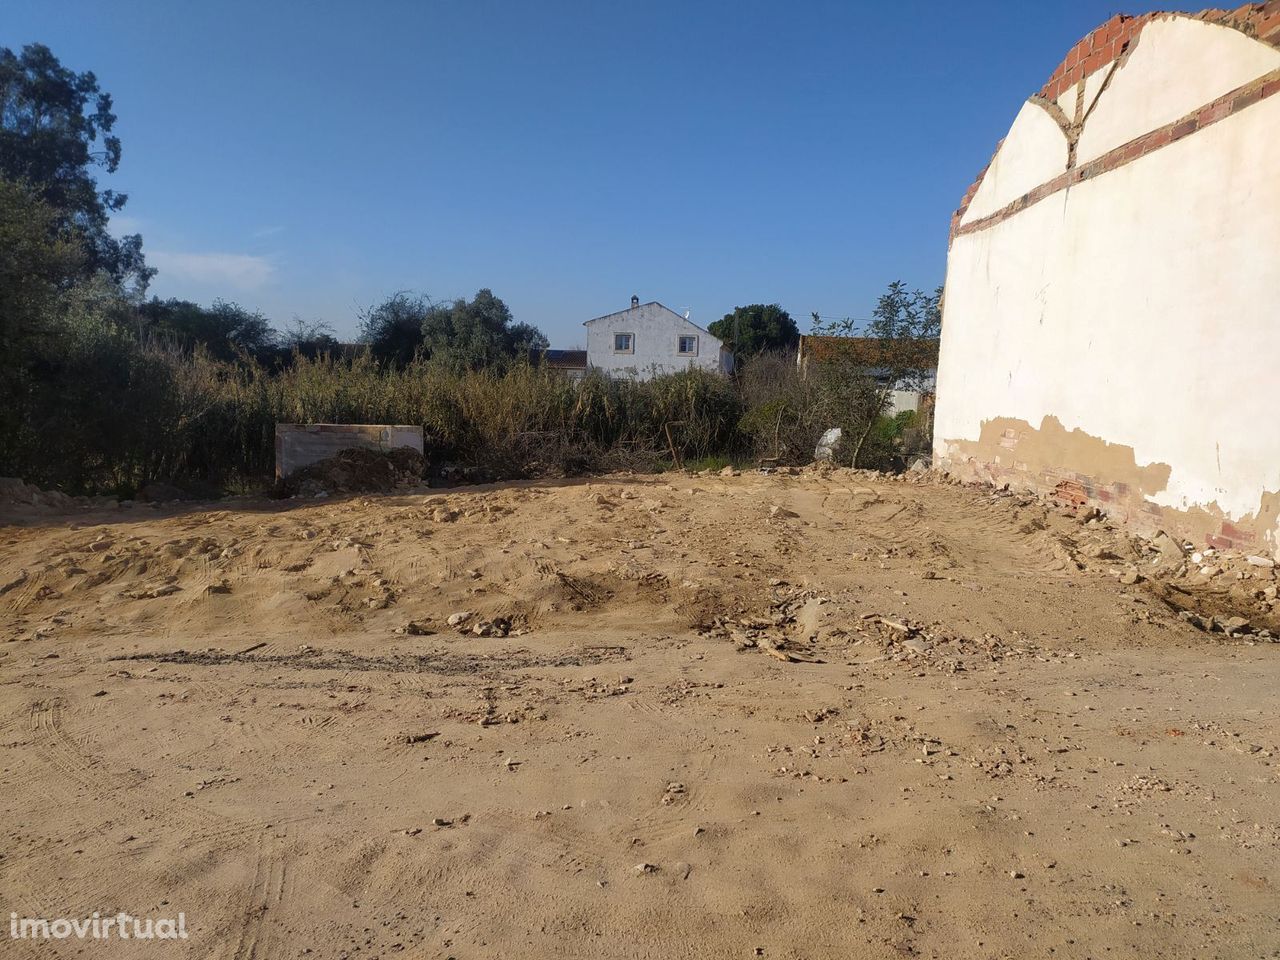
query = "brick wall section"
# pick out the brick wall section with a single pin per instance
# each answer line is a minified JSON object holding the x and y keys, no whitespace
{"x":968,"y":194}
{"x":1234,"y":102}
{"x":1103,"y":47}
{"x":1113,"y":41}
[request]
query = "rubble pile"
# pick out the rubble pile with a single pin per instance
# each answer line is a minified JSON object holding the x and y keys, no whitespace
{"x":13,"y":492}
{"x":356,"y":470}
{"x":803,"y":627}
{"x":1227,"y":591}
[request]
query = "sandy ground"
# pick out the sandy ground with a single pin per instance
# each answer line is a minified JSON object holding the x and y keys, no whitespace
{"x":782,"y":716}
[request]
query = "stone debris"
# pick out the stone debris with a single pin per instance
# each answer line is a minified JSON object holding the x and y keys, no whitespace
{"x":356,"y":470}
{"x":825,"y":451}
{"x":1169,"y":548}
{"x":497,"y":627}
{"x":673,"y":792}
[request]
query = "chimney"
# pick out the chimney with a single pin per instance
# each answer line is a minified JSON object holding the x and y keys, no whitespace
{"x":635,"y":301}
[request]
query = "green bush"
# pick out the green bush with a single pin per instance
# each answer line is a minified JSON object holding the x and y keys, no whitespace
{"x":102,"y":412}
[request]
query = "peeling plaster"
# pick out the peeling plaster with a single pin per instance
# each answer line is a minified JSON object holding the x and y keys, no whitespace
{"x":1083,"y":469}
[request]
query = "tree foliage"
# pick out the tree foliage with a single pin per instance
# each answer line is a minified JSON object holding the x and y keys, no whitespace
{"x":393,"y":328}
{"x":903,"y":330}
{"x":38,"y":258}
{"x":55,"y":133}
{"x":475,"y":333}
{"x":225,"y":329}
{"x":309,"y":337}
{"x":755,"y":328}
{"x":463,"y":334}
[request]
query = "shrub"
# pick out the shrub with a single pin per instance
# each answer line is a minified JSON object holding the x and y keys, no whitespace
{"x":104,"y":412}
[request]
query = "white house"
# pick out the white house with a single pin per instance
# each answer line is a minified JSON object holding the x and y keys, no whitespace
{"x":648,"y":339}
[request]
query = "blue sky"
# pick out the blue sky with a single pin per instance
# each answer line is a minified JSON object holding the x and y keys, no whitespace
{"x":309,"y":158}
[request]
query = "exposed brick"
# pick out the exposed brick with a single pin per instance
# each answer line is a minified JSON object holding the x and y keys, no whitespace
{"x":1231,"y":531}
{"x":1070,"y":492}
{"x":1095,"y":60}
{"x":1214,"y":112}
{"x":1246,"y":100}
{"x":1106,"y":44}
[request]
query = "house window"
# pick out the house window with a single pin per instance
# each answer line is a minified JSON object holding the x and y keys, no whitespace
{"x":689,"y":346}
{"x":624,"y":343}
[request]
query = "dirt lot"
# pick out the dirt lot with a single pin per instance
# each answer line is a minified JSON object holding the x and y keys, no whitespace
{"x":784,"y":716}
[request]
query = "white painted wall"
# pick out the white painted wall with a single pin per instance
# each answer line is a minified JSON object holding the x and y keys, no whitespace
{"x":1034,"y":151}
{"x":902,"y":401}
{"x":655,"y":334}
{"x":1141,"y":306}
{"x":1178,"y":66}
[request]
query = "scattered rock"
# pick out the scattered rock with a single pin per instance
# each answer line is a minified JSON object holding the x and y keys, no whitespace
{"x":1169,"y":548}
{"x":826,"y":448}
{"x":916,"y":645}
{"x":497,"y":627}
{"x":356,"y":470}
